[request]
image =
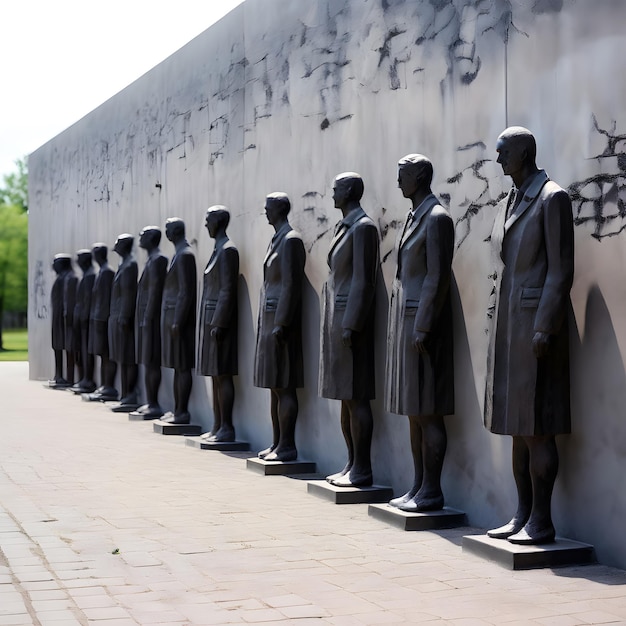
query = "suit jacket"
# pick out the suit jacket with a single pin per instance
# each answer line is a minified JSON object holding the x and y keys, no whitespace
{"x":535,"y":245}
{"x":422,"y":384}
{"x":70,"y":286}
{"x":218,"y":308}
{"x":279,"y":365}
{"x":123,"y":300}
{"x":148,"y":310}
{"x":179,"y":307}
{"x":348,"y":303}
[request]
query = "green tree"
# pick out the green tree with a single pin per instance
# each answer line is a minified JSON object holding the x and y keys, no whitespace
{"x":14,"y":242}
{"x":15,"y":188}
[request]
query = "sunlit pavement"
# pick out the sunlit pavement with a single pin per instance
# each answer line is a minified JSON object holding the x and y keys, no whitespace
{"x":104,"y":522}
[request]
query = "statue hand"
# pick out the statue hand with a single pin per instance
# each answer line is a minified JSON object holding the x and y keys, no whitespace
{"x":346,"y":337}
{"x":175,"y":331}
{"x":278,"y":332}
{"x":420,"y":337}
{"x":541,"y":344}
{"x":218,"y":333}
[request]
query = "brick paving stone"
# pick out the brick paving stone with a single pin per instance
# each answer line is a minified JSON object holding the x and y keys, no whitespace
{"x":204,"y":541}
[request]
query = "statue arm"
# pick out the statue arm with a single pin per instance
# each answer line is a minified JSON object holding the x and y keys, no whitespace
{"x":439,"y":251}
{"x":292,"y":273}
{"x":186,"y":271}
{"x":365,"y":257}
{"x":559,"y":241}
{"x":156,"y":280}
{"x":228,"y":268}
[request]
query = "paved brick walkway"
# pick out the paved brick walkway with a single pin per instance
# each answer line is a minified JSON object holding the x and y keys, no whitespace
{"x":202,"y":540}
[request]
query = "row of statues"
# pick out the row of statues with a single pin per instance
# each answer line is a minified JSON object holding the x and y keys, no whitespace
{"x":527,"y":387}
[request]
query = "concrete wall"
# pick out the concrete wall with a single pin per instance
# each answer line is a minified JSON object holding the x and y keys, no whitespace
{"x":283,"y":95}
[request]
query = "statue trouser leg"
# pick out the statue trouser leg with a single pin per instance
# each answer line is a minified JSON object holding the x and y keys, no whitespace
{"x":523,"y":483}
{"x":543,"y":466}
{"x":129,"y":383}
{"x":182,"y":391}
{"x":223,"y":400}
{"x":415,"y":435}
{"x":347,"y":435}
{"x":58,"y":366}
{"x":153,"y":382}
{"x":434,"y":441}
{"x":287,"y":407}
{"x":361,"y":425}
{"x":275,"y":424}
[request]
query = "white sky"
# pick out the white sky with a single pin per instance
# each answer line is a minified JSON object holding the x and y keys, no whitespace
{"x":60,"y":59}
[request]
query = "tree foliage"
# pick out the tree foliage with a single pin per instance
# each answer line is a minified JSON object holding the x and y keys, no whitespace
{"x":15,"y":189}
{"x":14,"y":242}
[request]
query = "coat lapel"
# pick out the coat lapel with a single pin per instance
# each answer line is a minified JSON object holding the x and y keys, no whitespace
{"x":213,"y":259}
{"x":541,"y":178}
{"x":276,"y":241}
{"x":344,"y":227}
{"x":426,"y":205}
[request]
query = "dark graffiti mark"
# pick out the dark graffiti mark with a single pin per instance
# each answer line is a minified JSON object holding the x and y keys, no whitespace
{"x":601,"y":199}
{"x":39,"y":292}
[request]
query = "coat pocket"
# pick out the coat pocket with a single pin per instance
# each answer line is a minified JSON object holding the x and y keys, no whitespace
{"x":530,"y":297}
{"x":341,"y":301}
{"x":411,"y":306}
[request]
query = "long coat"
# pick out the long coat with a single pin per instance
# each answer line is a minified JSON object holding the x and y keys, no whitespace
{"x":56,"y":305}
{"x":348,"y":302}
{"x":70,"y":287}
{"x":123,"y":301}
{"x":218,"y":308}
{"x":81,"y":312}
{"x":179,"y":307}
{"x":422,"y":384}
{"x":100,"y":310}
{"x":148,"y":310}
{"x":525,"y":395}
{"x":278,"y":365}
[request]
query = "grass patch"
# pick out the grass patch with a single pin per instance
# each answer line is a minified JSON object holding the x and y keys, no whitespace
{"x":15,"y":342}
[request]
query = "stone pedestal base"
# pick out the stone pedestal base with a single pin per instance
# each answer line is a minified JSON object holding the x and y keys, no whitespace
{"x":512,"y":556}
{"x":98,"y":397}
{"x":222,"y":446}
{"x":428,"y":520}
{"x":124,"y":408}
{"x":136,"y":416}
{"x":349,"y":495}
{"x":163,"y":428}
{"x":52,"y":384}
{"x":280,"y":468}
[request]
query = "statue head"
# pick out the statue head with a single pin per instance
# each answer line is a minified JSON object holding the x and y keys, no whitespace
{"x":277,"y":207}
{"x":84,"y":258}
{"x":100,"y":253}
{"x":347,"y":187}
{"x":415,"y":172}
{"x":217,"y":218}
{"x":62,"y":263}
{"x":124,"y":244}
{"x":150,"y":237}
{"x":517,"y":150}
{"x":174,"y":229}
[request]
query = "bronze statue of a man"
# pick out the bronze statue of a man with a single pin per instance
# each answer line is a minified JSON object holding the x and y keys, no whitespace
{"x":178,"y":320}
{"x":278,"y":356}
{"x":122,"y":319}
{"x":347,"y":342}
{"x":148,"y":319}
{"x":527,"y":389}
{"x":62,"y":302}
{"x":419,"y":379}
{"x":85,"y":361}
{"x":217,"y":355}
{"x":99,"y":324}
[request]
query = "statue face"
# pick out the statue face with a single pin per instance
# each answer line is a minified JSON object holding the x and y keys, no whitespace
{"x":341,"y":192}
{"x":511,"y":155}
{"x":212,"y":224}
{"x":273,"y":212}
{"x":407,"y":182}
